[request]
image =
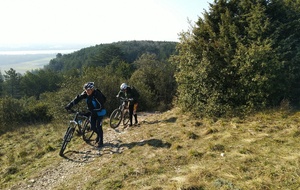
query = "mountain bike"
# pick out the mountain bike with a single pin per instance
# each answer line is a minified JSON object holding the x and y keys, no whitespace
{"x":82,"y":122}
{"x":120,"y":114}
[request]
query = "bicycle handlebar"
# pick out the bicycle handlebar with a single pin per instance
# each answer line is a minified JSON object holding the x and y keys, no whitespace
{"x":126,"y":99}
{"x":79,"y":112}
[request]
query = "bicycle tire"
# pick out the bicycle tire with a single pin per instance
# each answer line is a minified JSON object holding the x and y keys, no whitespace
{"x":67,"y":138}
{"x":126,"y":117}
{"x":87,"y":131}
{"x":115,"y":118}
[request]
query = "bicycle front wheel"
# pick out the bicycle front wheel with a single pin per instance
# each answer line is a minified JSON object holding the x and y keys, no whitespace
{"x":115,"y":118}
{"x":67,"y":138}
{"x":87,"y":131}
{"x":126,"y":117}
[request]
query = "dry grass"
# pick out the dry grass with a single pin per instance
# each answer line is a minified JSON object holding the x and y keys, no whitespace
{"x":168,"y":151}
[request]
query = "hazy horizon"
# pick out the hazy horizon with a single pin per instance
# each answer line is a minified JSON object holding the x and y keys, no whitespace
{"x":44,"y":46}
{"x":27,"y":60}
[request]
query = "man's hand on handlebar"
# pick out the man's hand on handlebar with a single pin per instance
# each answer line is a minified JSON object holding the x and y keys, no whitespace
{"x":125,"y":99}
{"x":69,"y":106}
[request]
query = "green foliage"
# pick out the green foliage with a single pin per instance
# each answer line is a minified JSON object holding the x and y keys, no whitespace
{"x":40,"y":81}
{"x":1,"y":84}
{"x":156,"y":81}
{"x":10,"y":112}
{"x":120,"y":68}
{"x":56,"y":101}
{"x":239,"y":58}
{"x":12,"y":84}
{"x":103,"y":54}
{"x":37,"y":112}
{"x":16,"y":113}
{"x":41,"y":95}
{"x":106,"y":56}
{"x":147,"y":96}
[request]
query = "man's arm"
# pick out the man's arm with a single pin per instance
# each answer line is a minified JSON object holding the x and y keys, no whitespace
{"x":76,"y":100}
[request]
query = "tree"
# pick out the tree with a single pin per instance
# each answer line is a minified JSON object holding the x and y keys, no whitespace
{"x":10,"y":113}
{"x":1,"y":84}
{"x":40,"y":81}
{"x":286,"y":24}
{"x":156,"y":79}
{"x":12,"y":83}
{"x":121,"y":68}
{"x":55,"y":64}
{"x":106,"y":55}
{"x":232,"y":61}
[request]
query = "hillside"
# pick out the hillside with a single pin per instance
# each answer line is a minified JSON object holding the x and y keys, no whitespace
{"x":167,"y":151}
{"x":104,"y":54}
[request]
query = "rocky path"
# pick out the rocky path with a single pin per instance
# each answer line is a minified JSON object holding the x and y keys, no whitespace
{"x":74,"y":161}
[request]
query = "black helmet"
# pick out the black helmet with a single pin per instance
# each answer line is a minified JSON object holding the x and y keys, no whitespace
{"x":88,"y":85}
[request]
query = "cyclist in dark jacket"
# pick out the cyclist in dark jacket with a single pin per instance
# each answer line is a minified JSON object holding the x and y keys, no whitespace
{"x":133,"y":95}
{"x":95,"y":102}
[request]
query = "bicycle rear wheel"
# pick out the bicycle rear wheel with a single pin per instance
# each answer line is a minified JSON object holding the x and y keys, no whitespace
{"x":126,"y":117}
{"x":115,"y":118}
{"x":67,"y":138}
{"x":87,"y":131}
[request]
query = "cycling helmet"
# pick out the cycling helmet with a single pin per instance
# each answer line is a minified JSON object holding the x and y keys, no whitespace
{"x":88,"y":85}
{"x":123,"y":86}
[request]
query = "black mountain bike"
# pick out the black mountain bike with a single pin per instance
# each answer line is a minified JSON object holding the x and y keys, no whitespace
{"x":82,"y":122}
{"x":120,"y":114}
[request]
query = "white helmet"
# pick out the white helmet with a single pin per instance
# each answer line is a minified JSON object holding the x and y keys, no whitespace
{"x":123,"y":86}
{"x":88,"y":85}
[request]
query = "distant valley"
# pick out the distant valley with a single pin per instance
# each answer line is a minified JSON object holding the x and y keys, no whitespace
{"x":28,"y":58}
{"x":23,"y":63}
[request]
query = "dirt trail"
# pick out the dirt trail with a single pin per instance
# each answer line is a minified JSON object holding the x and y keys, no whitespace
{"x":74,"y":161}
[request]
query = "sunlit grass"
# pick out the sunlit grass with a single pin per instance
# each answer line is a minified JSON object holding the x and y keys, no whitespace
{"x":168,"y":151}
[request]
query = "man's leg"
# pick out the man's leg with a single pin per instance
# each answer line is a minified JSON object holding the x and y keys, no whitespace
{"x":100,"y":132}
{"x":94,"y":128}
{"x":135,"y":106}
{"x":130,"y":114}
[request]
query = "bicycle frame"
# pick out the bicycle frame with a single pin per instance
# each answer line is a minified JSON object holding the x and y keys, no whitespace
{"x":120,"y":114}
{"x":82,"y":129}
{"x":124,"y":105}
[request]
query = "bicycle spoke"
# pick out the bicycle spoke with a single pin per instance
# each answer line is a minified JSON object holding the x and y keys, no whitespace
{"x":87,"y":131}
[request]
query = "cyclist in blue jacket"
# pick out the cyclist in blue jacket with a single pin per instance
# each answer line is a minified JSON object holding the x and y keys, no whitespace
{"x":95,"y":102}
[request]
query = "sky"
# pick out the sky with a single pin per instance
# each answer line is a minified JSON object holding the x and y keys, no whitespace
{"x":95,"y":21}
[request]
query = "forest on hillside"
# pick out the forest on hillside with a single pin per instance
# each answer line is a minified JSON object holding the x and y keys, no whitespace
{"x":41,"y":95}
{"x":239,"y":57}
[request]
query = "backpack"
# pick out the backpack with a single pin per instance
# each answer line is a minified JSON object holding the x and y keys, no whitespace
{"x":136,"y":93}
{"x":103,"y":97}
{"x":102,"y":100}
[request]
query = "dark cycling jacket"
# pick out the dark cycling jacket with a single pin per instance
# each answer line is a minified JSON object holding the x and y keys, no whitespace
{"x":95,"y":102}
{"x":130,"y":93}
